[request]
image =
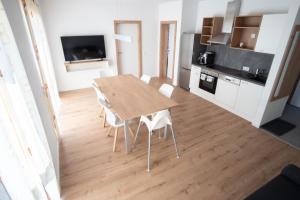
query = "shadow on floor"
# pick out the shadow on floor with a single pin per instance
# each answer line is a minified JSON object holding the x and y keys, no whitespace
{"x":292,"y":137}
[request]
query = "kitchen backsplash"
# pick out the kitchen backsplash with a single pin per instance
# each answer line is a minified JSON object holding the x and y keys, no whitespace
{"x":236,"y":59}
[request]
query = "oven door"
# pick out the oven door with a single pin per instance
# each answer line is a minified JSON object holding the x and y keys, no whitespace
{"x":208,"y":83}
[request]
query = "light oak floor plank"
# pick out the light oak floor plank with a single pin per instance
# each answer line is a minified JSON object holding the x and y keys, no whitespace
{"x":221,"y":155}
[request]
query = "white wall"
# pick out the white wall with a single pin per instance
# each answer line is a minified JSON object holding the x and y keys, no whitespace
{"x":79,"y":17}
{"x":170,"y":10}
{"x":253,"y":7}
{"x":210,"y":8}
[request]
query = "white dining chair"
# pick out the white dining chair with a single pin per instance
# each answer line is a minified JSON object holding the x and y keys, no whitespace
{"x":100,"y":97}
{"x":160,"y":120}
{"x":146,"y":78}
{"x":114,"y":122}
{"x":166,"y":90}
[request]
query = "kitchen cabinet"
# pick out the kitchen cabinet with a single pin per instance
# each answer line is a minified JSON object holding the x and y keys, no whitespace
{"x":211,"y":26}
{"x":237,"y":96}
{"x":271,"y":30}
{"x":195,"y":78}
{"x":245,"y":31}
{"x":227,"y":91}
{"x":248,"y":99}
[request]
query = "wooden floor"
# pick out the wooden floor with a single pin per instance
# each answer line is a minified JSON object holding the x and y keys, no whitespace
{"x":222,"y":156}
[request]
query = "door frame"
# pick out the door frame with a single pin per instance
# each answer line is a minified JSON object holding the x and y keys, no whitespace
{"x":117,"y":42}
{"x":162,"y":42}
{"x":282,"y":65}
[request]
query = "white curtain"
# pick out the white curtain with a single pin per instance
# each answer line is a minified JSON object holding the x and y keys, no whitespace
{"x":26,"y":165}
{"x":42,"y":51}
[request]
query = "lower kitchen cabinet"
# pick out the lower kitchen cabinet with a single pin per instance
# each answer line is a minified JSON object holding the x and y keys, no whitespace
{"x":227,"y":90}
{"x":248,"y":99}
{"x":237,"y":96}
{"x":195,"y":77}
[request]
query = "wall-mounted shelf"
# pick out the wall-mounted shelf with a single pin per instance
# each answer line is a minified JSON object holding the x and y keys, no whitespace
{"x":247,"y":21}
{"x":244,"y":27}
{"x":245,"y":32}
{"x":204,"y":39}
{"x":87,"y":65}
{"x":211,"y":27}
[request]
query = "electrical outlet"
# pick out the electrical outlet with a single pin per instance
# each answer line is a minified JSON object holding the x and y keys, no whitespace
{"x":253,"y":36}
{"x":245,"y":68}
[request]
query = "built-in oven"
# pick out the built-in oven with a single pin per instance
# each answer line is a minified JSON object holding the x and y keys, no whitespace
{"x":208,"y":81}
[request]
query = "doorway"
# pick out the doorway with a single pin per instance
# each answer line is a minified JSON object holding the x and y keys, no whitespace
{"x":129,"y":46}
{"x":168,"y":30}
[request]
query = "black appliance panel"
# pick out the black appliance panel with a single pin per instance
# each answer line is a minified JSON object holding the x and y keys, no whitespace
{"x":209,"y":83}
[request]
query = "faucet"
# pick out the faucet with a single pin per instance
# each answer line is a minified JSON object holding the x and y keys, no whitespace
{"x":259,"y":72}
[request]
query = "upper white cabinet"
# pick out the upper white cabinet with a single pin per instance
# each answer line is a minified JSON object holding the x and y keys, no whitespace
{"x":271,"y":30}
{"x":248,"y":99}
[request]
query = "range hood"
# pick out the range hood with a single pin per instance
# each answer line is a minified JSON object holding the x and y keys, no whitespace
{"x":233,"y":9}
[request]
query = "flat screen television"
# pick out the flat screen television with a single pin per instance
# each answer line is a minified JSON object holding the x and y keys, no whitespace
{"x":78,"y":48}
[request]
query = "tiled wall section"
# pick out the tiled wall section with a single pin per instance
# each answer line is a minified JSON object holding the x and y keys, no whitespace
{"x":236,"y":59}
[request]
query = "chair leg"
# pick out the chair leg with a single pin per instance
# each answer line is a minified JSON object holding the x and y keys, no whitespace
{"x":115,"y":139}
{"x":108,"y":132}
{"x":101,"y":112}
{"x":130,"y":131}
{"x":104,"y":120}
{"x":159,"y":135}
{"x":149,"y":150}
{"x":137,"y":133}
{"x":174,"y":139}
{"x":165,"y":132}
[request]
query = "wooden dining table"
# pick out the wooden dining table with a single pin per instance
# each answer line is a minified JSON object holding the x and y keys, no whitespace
{"x":130,"y":98}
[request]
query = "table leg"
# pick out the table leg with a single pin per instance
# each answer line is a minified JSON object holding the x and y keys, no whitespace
{"x":127,"y":138}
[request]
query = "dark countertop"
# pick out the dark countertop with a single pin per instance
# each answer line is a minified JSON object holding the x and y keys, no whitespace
{"x":235,"y":73}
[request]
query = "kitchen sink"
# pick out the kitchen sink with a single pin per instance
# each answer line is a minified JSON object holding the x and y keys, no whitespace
{"x":257,"y":78}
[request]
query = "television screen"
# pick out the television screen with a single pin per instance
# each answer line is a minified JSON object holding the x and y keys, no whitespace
{"x":83,"y":47}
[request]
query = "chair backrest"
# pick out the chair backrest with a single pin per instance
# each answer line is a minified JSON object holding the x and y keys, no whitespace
{"x":146,"y":78}
{"x":161,"y":119}
{"x":166,"y":90}
{"x":100,"y":95}
{"x":111,"y":117}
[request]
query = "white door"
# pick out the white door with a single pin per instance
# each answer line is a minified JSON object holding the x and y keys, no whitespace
{"x":128,"y":50}
{"x":171,"y":46}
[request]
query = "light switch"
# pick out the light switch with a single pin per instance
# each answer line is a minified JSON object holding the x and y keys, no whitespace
{"x":253,"y":36}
